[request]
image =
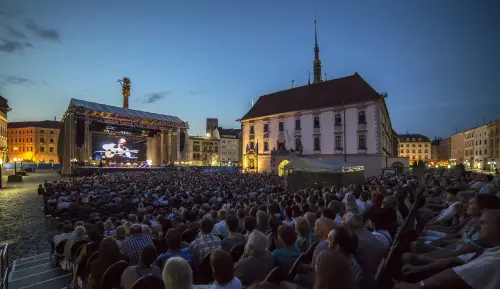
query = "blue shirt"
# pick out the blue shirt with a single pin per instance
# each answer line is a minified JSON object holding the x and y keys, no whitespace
{"x":286,"y":256}
{"x":184,"y":253}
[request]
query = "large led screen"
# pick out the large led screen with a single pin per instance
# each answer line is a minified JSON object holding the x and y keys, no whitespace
{"x":118,"y":148}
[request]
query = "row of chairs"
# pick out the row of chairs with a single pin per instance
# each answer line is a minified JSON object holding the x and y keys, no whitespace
{"x":384,"y":276}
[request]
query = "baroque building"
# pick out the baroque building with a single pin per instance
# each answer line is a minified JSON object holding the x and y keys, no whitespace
{"x":343,"y":119}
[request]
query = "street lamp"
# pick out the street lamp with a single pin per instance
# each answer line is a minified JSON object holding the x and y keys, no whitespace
{"x":15,"y":167}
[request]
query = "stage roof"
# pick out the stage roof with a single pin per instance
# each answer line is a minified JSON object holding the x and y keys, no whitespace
{"x":122,"y":111}
{"x":318,"y":165}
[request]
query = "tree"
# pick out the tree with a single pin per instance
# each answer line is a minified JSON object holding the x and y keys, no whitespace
{"x":421,"y":164}
{"x":414,"y":165}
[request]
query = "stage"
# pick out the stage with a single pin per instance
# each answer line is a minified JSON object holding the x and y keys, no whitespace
{"x":94,"y":132}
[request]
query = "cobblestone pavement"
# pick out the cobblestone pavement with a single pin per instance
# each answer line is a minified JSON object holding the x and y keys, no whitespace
{"x":22,"y":222}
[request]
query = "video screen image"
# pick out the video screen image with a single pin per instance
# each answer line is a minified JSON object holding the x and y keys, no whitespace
{"x":118,"y":148}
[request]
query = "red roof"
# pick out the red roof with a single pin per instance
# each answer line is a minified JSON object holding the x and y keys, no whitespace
{"x":346,"y":90}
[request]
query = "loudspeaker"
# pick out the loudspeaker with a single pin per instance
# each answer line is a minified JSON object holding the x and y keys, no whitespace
{"x":80,"y":132}
{"x":182,"y":141}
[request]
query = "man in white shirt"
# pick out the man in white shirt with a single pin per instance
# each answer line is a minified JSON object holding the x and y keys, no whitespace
{"x":220,"y":228}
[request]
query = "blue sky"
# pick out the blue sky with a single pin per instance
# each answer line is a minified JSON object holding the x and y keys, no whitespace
{"x":437,"y":60}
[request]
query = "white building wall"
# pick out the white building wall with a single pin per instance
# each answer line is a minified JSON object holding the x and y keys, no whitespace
{"x":289,"y":131}
{"x":326,"y":121}
{"x":306,"y":125}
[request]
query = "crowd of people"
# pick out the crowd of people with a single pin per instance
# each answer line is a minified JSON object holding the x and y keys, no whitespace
{"x":215,"y":230}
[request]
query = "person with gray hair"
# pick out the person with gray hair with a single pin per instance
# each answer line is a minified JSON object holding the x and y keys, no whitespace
{"x":256,"y":262}
{"x":177,"y":274}
{"x":369,"y":252}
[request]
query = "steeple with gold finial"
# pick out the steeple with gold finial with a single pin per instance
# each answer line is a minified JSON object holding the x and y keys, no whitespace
{"x":317,"y":62}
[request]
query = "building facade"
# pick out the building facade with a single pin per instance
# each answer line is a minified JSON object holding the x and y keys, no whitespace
{"x":457,"y":145}
{"x":4,"y":108}
{"x":318,"y":120}
{"x":33,"y":141}
{"x":444,"y":149}
{"x":415,"y":147}
{"x":493,"y":144}
{"x":230,"y":146}
{"x":203,"y":151}
{"x":434,"y":150}
{"x":481,"y":147}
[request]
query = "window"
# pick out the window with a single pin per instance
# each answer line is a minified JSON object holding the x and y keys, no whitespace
{"x":316,"y":122}
{"x":298,"y":144}
{"x":317,"y":143}
{"x":252,"y":131}
{"x":412,"y":151}
{"x":42,"y":149}
{"x":426,"y":151}
{"x":252,"y":145}
{"x":476,"y":142}
{"x":280,"y":126}
{"x":362,"y":117}
{"x":413,"y":145}
{"x":51,"y":140}
{"x":266,"y":127}
{"x":480,"y":152}
{"x":485,"y":141}
{"x":407,"y":151}
{"x":402,"y":151}
{"x":485,"y":151}
{"x":407,"y":145}
{"x":402,"y":145}
{"x":419,"y":151}
{"x":297,"y":124}
{"x":419,"y":145}
{"x":476,"y":153}
{"x":266,"y":146}
{"x":426,"y":145}
{"x":479,"y":141}
{"x":42,"y":131}
{"x":42,"y":140}
{"x":51,"y":132}
{"x":338,"y":119}
{"x":51,"y":149}
{"x":338,"y":142}
{"x":362,"y":141}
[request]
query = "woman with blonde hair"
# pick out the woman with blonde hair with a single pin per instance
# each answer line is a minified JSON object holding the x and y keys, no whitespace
{"x":108,"y":228}
{"x":303,"y":234}
{"x":177,"y":274}
{"x":120,"y":236}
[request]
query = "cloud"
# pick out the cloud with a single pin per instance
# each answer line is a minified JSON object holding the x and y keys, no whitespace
{"x":47,"y":34}
{"x":16,"y":80}
{"x":155,"y":96}
{"x":15,"y":33}
{"x":13,"y":46}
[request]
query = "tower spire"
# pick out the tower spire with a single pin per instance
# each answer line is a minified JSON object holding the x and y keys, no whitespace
{"x":317,"y":62}
{"x":308,"y":77}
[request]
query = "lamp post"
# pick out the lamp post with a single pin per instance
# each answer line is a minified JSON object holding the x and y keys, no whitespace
{"x":15,"y":166}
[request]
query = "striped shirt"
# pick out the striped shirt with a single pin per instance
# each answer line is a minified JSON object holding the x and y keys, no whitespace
{"x":356,"y":270}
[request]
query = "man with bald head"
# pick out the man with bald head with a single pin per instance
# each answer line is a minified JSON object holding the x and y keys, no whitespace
{"x":322,"y":228}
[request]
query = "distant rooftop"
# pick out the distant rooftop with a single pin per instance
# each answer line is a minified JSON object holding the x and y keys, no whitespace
{"x":413,"y":137}
{"x":41,"y":124}
{"x":234,"y":132}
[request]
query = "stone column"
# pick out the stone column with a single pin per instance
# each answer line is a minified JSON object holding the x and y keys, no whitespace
{"x":162,"y":147}
{"x":169,"y":146}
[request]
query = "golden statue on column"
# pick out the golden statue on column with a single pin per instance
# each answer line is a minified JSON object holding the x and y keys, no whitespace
{"x":125,"y":83}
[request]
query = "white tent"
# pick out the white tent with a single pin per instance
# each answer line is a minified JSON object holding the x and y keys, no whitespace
{"x":318,"y":165}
